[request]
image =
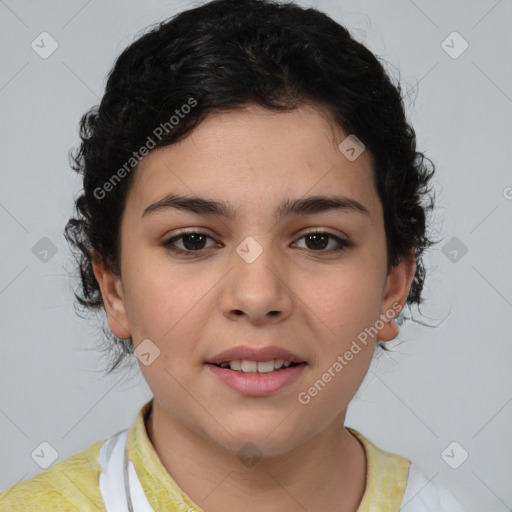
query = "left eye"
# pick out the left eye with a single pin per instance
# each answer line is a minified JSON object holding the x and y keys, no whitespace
{"x":320,"y":238}
{"x":316,"y":241}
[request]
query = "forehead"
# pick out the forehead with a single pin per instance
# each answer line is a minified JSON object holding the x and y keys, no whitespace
{"x":256,"y":154}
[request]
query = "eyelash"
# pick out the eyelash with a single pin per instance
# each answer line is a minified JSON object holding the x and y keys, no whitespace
{"x":342,"y":244}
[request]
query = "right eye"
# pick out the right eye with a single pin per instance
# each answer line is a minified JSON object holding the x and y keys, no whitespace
{"x":193,"y":241}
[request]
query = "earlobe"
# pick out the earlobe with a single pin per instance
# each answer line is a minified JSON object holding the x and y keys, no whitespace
{"x":398,"y":285}
{"x":113,"y":299}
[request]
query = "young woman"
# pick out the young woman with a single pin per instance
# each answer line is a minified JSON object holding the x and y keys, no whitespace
{"x":253,"y":220}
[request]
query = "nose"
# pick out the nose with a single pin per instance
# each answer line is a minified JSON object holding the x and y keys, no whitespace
{"x":257,"y":289}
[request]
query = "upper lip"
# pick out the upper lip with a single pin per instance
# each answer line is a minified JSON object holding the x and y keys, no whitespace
{"x":255,"y":354}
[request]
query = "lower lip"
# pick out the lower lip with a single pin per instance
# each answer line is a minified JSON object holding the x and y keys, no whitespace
{"x":257,"y":384}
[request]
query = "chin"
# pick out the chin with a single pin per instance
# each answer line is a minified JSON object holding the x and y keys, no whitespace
{"x":260,"y":438}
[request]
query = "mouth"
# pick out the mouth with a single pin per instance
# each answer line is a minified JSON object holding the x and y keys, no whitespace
{"x":257,"y":371}
{"x":250,"y":359}
{"x":251,"y":366}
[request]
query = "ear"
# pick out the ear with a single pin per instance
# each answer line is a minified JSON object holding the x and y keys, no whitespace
{"x":113,"y":298}
{"x":396,"y":290}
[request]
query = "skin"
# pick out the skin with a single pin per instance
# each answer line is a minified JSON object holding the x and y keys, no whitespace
{"x":295,"y":294}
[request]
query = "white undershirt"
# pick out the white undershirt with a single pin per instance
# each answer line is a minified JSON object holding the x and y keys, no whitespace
{"x":422,"y":495}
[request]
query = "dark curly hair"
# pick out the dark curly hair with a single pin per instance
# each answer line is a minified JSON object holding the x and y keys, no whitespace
{"x":221,"y":56}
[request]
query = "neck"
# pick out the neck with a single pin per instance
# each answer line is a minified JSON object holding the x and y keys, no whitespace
{"x":327,"y":471}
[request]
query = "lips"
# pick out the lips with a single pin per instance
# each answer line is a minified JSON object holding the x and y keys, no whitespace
{"x":255,"y":354}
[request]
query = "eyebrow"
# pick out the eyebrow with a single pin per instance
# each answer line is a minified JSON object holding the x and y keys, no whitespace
{"x":303,"y":206}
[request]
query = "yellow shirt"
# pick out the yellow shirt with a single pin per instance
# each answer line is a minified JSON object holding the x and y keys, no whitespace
{"x":73,"y":484}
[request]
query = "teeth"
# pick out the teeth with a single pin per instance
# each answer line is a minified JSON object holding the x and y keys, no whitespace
{"x":248,"y":366}
{"x":235,"y":365}
{"x":264,"y":366}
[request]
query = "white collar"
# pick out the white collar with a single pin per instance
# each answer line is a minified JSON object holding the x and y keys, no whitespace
{"x":119,"y":483}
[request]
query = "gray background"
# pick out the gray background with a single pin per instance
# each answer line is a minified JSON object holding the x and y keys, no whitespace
{"x":443,"y":384}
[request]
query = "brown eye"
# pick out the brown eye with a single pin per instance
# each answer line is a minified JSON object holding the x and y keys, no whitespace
{"x":318,"y":241}
{"x":191,"y":242}
{"x":195,"y":242}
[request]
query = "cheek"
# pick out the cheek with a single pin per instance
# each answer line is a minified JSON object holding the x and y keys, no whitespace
{"x":346,"y":297}
{"x":166,"y":306}
{"x":334,"y":385}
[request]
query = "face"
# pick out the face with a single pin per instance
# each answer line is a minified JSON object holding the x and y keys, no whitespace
{"x":255,"y":278}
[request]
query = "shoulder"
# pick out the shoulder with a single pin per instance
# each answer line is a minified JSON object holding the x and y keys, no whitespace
{"x":71,"y":485}
{"x":395,"y":483}
{"x":386,"y":477}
